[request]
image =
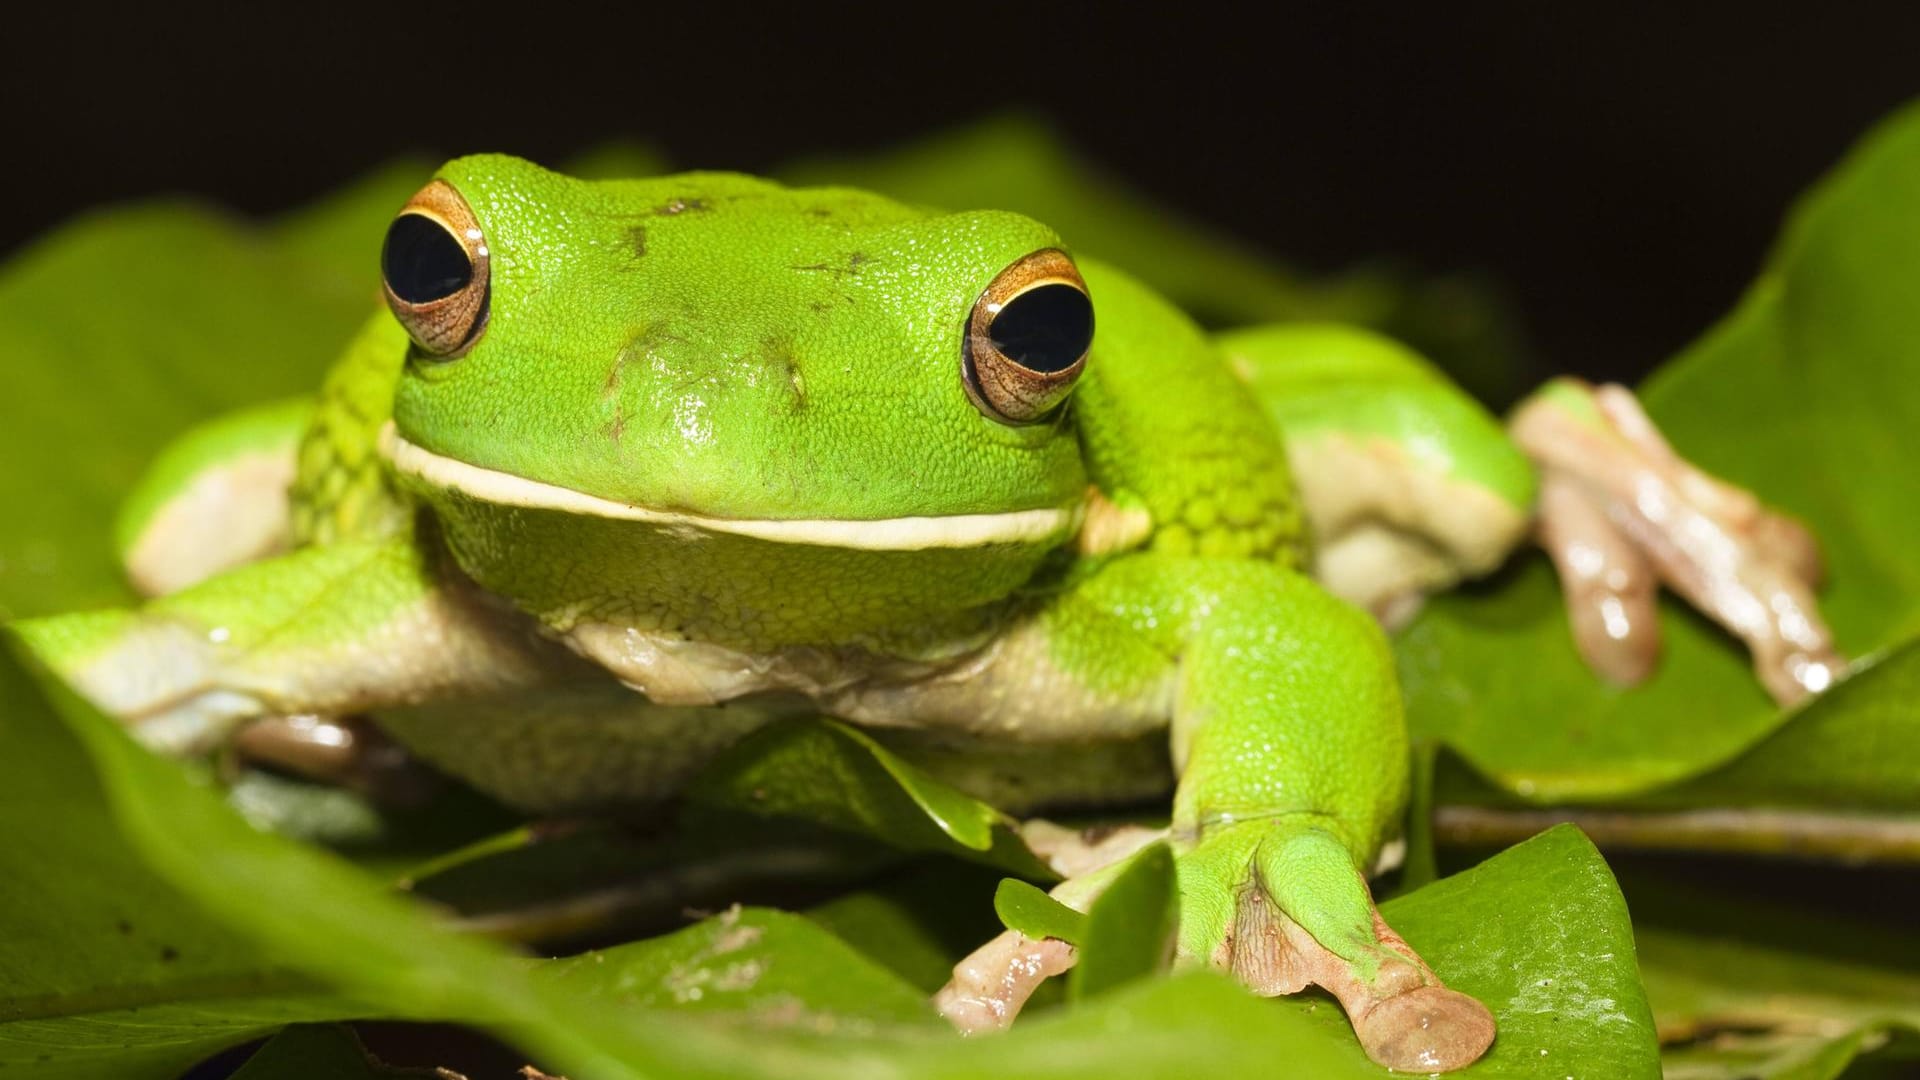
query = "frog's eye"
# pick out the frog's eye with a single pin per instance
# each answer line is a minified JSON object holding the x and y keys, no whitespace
{"x":434,"y":267}
{"x":1027,"y":338}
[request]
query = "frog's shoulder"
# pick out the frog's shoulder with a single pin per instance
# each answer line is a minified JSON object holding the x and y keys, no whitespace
{"x":340,"y":488}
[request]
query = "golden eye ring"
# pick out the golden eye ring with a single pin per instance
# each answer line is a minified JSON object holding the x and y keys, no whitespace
{"x":1027,"y":338}
{"x":434,"y":271}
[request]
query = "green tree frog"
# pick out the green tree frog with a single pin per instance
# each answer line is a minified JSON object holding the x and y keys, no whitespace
{"x":627,"y":469}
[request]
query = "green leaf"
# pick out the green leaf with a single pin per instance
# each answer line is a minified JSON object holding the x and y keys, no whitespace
{"x":1130,"y":929}
{"x":315,"y":1052}
{"x":765,"y":967}
{"x":1032,"y":912}
{"x":1540,"y":935}
{"x":236,"y":932}
{"x":106,"y":968}
{"x":1797,"y":395}
{"x":1838,"y":778}
{"x":1746,"y":987}
{"x":829,"y":774}
{"x":918,"y":921}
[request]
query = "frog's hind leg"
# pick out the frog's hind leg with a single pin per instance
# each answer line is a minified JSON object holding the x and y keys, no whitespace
{"x":214,"y":499}
{"x":1409,"y":485}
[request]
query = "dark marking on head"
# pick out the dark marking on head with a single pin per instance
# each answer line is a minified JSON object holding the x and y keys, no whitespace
{"x":637,"y":241}
{"x":676,"y":207}
{"x":820,"y":211}
{"x":777,"y":355}
{"x":797,"y":382}
{"x":123,"y":926}
{"x":617,"y":427}
{"x":852,"y":267}
{"x":627,"y":354}
{"x":637,"y":348}
{"x":168,"y":954}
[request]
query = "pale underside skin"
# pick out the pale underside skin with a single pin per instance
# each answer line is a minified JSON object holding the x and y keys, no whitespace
{"x":1037,"y":525}
{"x":1387,"y":531}
{"x":233,"y":513}
{"x":1008,"y":688}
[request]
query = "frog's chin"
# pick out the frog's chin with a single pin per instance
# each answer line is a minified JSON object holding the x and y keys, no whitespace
{"x":1041,"y":525}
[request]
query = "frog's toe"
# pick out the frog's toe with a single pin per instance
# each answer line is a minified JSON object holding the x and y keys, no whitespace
{"x":1300,"y":915}
{"x":1620,"y":510}
{"x":1426,"y":1029}
{"x":1401,"y":1014}
{"x":993,"y":983}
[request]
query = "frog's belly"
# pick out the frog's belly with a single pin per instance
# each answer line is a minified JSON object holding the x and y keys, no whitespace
{"x":600,"y":746}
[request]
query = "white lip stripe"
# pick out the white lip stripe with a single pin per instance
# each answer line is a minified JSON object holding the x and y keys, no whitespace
{"x":881,"y":534}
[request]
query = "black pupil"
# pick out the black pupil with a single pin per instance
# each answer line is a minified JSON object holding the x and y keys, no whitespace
{"x":422,"y":260}
{"x":1045,"y":329}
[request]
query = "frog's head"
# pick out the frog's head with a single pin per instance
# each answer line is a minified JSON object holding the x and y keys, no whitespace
{"x":701,"y":399}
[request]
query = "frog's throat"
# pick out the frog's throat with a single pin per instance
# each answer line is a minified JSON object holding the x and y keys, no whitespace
{"x":1039,"y":525}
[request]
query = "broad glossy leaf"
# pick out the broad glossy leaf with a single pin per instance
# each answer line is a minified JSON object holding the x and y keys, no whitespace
{"x":1540,"y":934}
{"x":762,"y":966}
{"x":1807,"y":395}
{"x":827,"y":773}
{"x":107,"y":969}
{"x":1130,"y":928}
{"x":295,"y":934}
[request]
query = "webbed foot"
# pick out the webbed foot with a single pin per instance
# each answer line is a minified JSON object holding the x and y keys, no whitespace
{"x":1621,"y":513}
{"x":1281,"y":905}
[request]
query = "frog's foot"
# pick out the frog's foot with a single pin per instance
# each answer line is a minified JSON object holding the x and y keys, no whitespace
{"x":1619,"y":509}
{"x":991,"y":985}
{"x":351,"y":753}
{"x":1282,"y":905}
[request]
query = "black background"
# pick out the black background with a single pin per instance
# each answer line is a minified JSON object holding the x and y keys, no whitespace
{"x":1620,"y":173}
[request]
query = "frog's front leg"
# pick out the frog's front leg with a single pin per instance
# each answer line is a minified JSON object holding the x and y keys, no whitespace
{"x":327,"y":631}
{"x":1292,"y":759}
{"x":1619,"y":508}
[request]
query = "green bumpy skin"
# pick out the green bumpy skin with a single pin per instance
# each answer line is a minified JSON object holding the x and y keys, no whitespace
{"x":716,"y":438}
{"x":1319,"y":378}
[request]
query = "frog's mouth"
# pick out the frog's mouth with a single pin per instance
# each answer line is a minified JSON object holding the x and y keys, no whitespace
{"x":1036,"y":526}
